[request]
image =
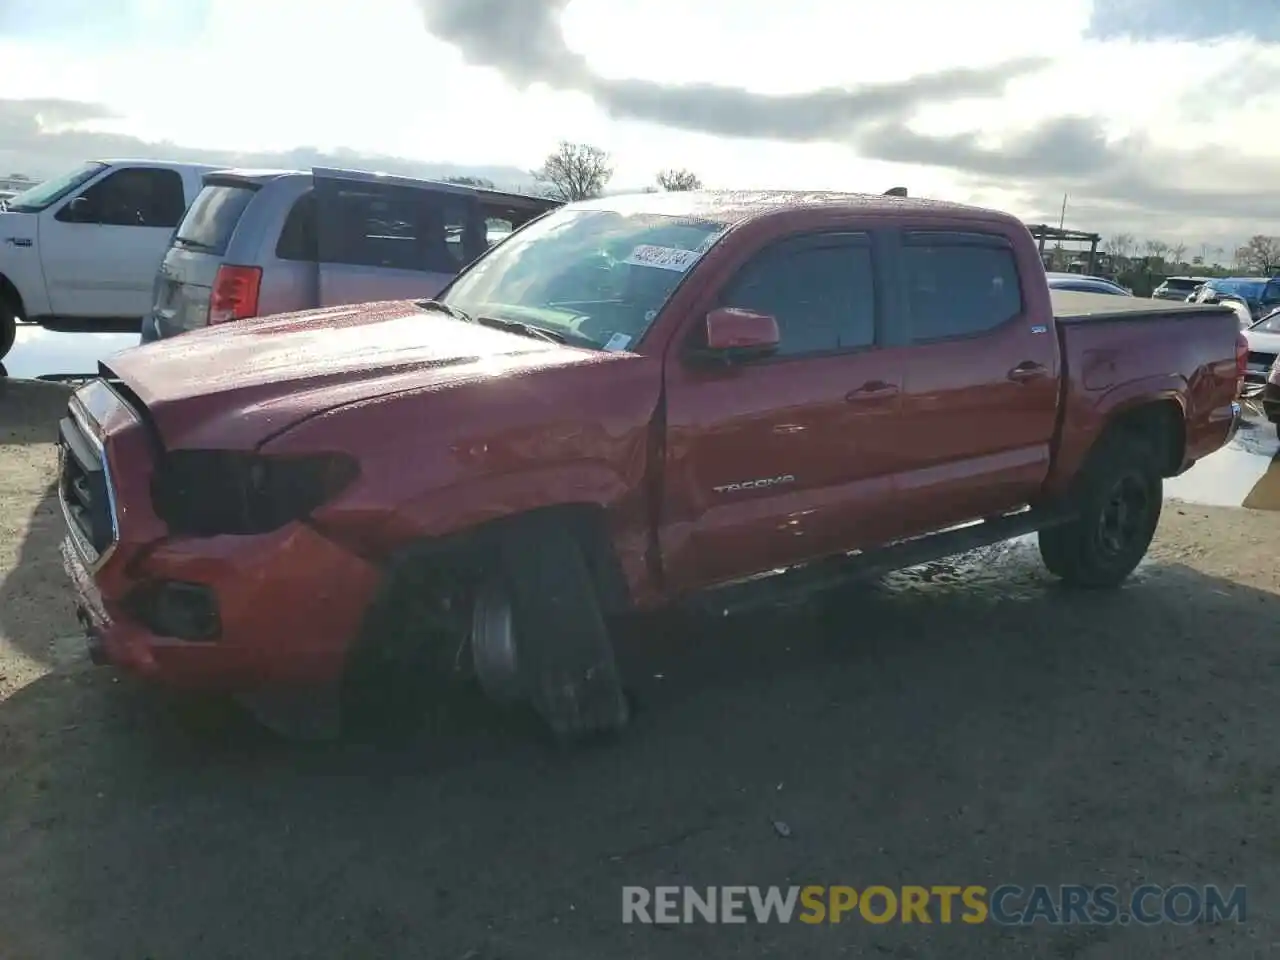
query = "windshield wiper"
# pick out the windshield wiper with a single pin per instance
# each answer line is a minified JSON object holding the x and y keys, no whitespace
{"x":439,"y":306}
{"x":522,"y":328}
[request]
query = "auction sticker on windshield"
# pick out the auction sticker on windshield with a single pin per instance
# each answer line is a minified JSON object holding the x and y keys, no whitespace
{"x":664,"y":258}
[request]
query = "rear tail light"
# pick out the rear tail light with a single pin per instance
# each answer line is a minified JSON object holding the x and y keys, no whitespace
{"x":235,"y":294}
{"x":1242,"y":361}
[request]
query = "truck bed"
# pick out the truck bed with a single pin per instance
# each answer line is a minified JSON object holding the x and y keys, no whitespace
{"x":1071,"y":306}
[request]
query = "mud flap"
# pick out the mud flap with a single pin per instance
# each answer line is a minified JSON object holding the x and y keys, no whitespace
{"x":568,"y":670}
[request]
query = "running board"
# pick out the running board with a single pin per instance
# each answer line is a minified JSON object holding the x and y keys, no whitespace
{"x":798,"y":584}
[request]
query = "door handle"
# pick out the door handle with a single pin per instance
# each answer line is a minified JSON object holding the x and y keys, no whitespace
{"x":871,"y":390}
{"x":1027,"y":370}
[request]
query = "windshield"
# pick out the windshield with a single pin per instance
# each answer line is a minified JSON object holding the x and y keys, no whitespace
{"x":51,"y":191}
{"x":596,"y":277}
{"x":1249,"y":289}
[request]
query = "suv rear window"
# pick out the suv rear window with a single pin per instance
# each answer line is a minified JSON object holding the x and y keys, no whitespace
{"x":1179,"y":283}
{"x":395,"y":228}
{"x":212,"y":219}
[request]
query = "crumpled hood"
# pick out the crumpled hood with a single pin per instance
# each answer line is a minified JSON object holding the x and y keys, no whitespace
{"x":233,"y":386}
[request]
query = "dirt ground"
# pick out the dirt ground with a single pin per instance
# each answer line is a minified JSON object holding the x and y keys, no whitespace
{"x":966,"y":723}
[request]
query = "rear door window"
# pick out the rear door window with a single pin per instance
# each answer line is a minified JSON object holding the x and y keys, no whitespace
{"x":395,"y":227}
{"x":959,"y":284}
{"x":212,"y":219}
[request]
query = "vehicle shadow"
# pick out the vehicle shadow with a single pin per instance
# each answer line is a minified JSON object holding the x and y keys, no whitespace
{"x":36,"y":613}
{"x":29,"y":410}
{"x":953,"y":725}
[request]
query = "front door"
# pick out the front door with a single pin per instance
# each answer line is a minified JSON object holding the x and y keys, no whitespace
{"x":980,"y":400}
{"x":101,"y":249}
{"x":385,"y":238}
{"x":791,"y":458}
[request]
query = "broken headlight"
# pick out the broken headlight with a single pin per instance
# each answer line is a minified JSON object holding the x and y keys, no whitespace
{"x":204,"y":493}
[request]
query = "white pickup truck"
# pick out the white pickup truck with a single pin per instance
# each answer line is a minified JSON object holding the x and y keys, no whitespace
{"x":84,"y":247}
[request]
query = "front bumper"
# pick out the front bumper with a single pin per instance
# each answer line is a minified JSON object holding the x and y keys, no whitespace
{"x":288,"y":604}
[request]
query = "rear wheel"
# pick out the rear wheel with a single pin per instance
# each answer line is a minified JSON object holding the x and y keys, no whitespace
{"x":1118,"y":502}
{"x":8,"y":327}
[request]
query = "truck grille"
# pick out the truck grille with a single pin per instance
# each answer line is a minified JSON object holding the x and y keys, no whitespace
{"x":84,"y":490}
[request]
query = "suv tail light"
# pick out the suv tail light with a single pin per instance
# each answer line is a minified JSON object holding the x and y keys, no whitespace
{"x":1242,"y":361}
{"x":235,"y":294}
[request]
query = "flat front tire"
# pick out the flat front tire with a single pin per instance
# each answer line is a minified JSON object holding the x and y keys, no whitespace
{"x":568,"y":671}
{"x":1118,"y":503}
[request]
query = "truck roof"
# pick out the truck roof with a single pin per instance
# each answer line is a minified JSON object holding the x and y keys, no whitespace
{"x":142,"y":161}
{"x":735,"y":206}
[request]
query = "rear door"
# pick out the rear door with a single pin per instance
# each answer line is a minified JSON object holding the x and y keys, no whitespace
{"x":980,"y":399}
{"x":388,"y":238}
{"x":180,"y":299}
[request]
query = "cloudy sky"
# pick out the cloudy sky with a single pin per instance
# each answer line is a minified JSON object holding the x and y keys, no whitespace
{"x":1158,"y":117}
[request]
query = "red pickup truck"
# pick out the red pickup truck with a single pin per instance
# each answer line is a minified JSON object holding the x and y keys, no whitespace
{"x":630,"y":402}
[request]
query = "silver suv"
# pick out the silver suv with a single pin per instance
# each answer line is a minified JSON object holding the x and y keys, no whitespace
{"x":260,"y":242}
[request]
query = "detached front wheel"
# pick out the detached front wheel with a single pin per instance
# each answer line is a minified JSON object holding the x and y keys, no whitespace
{"x":1118,"y":508}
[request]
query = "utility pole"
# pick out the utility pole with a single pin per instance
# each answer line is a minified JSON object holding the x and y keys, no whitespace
{"x":1062,"y":220}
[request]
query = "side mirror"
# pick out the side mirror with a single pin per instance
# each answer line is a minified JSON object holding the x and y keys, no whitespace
{"x":77,"y":211}
{"x":735,"y":335}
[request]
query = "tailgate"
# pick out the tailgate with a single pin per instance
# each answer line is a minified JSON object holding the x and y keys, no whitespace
{"x":390,"y":238}
{"x":180,"y":299}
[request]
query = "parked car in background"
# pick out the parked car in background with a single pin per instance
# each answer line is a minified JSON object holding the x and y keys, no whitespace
{"x":1086,"y":284}
{"x":84,"y":246}
{"x":1260,"y":294}
{"x":1263,"y":338}
{"x":631,"y":402}
{"x":1177,"y":288}
{"x":260,"y":242}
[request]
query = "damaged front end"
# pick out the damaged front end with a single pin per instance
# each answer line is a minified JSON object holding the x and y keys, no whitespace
{"x":207,"y":493}
{"x":197,"y":568}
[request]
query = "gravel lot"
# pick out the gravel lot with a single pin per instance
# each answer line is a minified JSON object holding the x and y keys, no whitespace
{"x":968,"y":722}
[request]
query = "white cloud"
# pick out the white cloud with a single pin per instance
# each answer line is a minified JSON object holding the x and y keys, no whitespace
{"x":1160,"y":150}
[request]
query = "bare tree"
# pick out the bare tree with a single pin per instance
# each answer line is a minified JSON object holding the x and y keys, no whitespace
{"x":1260,"y":255}
{"x":1177,"y":252}
{"x":484,"y":183}
{"x":575,"y":171}
{"x":679,"y":180}
{"x":1155,"y":249}
{"x":1120,"y":246}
